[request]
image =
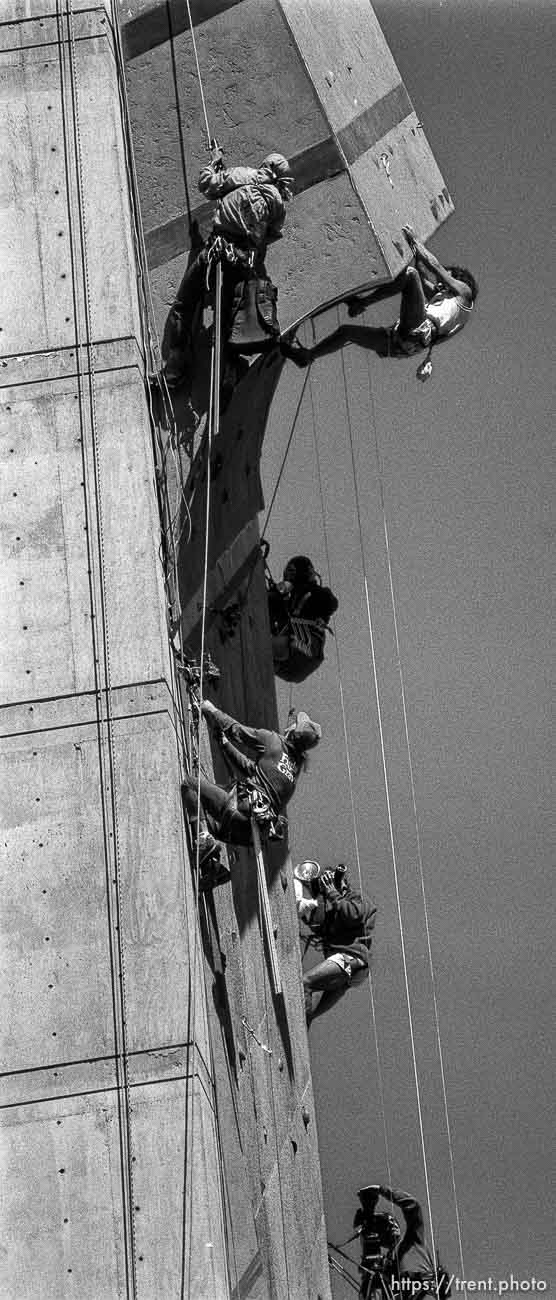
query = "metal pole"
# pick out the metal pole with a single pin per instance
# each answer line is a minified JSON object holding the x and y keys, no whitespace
{"x":264,"y":904}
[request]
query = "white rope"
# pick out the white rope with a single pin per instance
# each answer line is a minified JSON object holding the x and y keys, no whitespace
{"x":212,"y":429}
{"x":199,"y":78}
{"x":418,"y":837}
{"x":350,"y":786}
{"x":390,"y":825}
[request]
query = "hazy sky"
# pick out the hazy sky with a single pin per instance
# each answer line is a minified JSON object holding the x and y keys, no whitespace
{"x":466,"y":476}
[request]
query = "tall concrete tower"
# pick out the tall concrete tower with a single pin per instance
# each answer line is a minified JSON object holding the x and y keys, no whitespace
{"x":159,"y":1136}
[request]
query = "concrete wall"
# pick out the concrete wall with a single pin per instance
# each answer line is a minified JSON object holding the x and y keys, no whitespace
{"x":107,"y":1109}
{"x":318,"y":82}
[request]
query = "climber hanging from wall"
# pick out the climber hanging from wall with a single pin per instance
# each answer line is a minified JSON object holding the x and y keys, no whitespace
{"x":436,"y":303}
{"x":250,"y":214}
{"x":262,"y":787}
{"x":300,"y":609}
{"x":341,"y":921}
{"x":404,"y":1258}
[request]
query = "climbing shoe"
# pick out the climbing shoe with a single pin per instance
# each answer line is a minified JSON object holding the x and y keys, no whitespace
{"x":213,"y":872}
{"x":208,"y":847}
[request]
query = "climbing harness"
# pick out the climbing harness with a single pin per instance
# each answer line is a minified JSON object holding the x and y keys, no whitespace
{"x":305,"y":638}
{"x":271,"y":825}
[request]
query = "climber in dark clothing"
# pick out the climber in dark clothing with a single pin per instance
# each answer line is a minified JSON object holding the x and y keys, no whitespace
{"x":301,"y":594}
{"x":250,"y":214}
{"x":298,"y":647}
{"x":379,"y":1234}
{"x":409,"y":1267}
{"x":341,"y":920}
{"x":262,"y":787}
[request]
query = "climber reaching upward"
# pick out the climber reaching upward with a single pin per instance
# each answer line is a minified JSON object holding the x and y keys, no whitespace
{"x":265,"y":779}
{"x":436,"y":303}
{"x":250,"y":214}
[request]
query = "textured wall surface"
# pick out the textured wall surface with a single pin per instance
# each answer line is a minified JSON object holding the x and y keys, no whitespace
{"x":111,"y":1172}
{"x":315,"y":80}
{"x":264,"y":1089}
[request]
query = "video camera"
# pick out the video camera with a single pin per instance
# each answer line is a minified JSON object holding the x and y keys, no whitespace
{"x":379,"y":1231}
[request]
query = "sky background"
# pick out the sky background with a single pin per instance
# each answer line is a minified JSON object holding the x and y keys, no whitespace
{"x":465,"y":469}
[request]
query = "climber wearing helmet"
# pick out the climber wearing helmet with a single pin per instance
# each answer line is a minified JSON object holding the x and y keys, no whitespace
{"x":263,"y":784}
{"x":252,"y":201}
{"x":250,"y":214}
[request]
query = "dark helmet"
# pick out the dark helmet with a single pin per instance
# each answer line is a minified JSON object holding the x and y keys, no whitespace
{"x":299,"y":570}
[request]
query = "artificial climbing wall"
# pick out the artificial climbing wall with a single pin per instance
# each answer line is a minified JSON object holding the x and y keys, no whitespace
{"x":314,"y":79}
{"x":265,"y":1097}
{"x":111,"y":1169}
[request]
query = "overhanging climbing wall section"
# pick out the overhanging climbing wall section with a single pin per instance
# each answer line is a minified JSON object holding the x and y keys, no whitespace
{"x":314,"y":79}
{"x":109,"y":1140}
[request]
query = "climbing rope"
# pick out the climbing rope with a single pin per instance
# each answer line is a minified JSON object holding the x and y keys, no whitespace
{"x":432,"y":974}
{"x":169,"y":552}
{"x":212,"y":432}
{"x":380,"y":1079}
{"x":73,"y":158}
{"x":199,"y":77}
{"x":393,"y":849}
{"x":287,"y":451}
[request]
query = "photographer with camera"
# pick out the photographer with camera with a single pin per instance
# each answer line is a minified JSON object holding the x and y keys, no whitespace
{"x":401,"y":1263}
{"x":341,"y":921}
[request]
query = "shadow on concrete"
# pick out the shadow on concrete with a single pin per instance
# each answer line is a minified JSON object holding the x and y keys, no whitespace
{"x":217,"y":963}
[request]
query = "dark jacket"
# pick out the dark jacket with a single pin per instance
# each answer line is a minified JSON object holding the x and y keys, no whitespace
{"x":249,"y":207}
{"x":275,"y":768}
{"x":314,"y":602}
{"x":412,"y":1256}
{"x":344,"y":923}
